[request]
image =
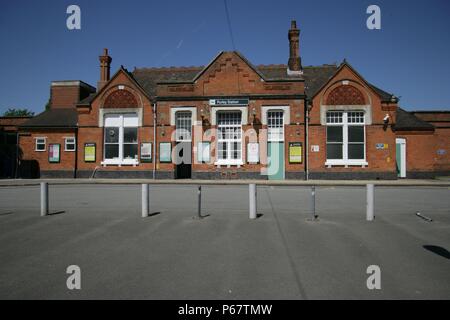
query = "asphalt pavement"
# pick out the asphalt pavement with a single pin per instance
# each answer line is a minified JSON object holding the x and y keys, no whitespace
{"x":283,"y":254}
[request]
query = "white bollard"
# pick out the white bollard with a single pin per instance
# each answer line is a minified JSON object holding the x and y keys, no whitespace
{"x":370,"y":201}
{"x":145,"y":200}
{"x":252,"y":200}
{"x":44,"y":199}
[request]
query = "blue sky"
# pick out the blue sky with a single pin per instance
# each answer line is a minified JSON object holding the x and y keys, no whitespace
{"x":409,"y":56}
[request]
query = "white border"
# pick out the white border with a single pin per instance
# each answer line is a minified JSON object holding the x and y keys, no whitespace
{"x":286,"y":113}
{"x":104,"y":111}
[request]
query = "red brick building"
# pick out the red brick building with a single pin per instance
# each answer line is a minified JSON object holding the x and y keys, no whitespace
{"x":232,"y":119}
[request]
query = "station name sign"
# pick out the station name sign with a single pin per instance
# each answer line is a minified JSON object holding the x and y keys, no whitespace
{"x":228,"y":102}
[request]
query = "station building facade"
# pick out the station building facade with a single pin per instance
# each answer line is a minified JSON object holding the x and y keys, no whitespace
{"x":231,"y":119}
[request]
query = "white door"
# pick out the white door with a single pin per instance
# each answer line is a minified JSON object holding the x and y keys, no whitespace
{"x":401,"y":157}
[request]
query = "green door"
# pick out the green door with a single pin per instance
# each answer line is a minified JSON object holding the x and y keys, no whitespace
{"x":276,"y":160}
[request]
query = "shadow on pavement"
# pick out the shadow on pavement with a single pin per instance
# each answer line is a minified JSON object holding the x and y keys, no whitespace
{"x":438,"y":250}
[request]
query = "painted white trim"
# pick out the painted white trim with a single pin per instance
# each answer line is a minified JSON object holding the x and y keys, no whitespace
{"x":332,"y":162}
{"x":225,"y":163}
{"x":286,"y":113}
{"x":104,"y":111}
{"x":174,"y":110}
{"x":215,"y":109}
{"x":366,"y":108}
{"x":117,"y":162}
{"x":74,"y":143}
{"x":35,"y":144}
{"x":402,"y":143}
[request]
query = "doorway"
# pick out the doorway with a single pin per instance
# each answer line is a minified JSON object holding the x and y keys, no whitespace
{"x":275,"y":152}
{"x":401,"y":157}
{"x":183,"y":160}
{"x":275,"y":144}
{"x":183,"y":149}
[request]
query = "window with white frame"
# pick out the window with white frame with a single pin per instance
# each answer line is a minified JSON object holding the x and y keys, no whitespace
{"x":229,"y":132}
{"x":40,"y":144}
{"x":346,"y":137}
{"x":121,"y":142}
{"x":275,"y":125}
{"x":69,"y":144}
{"x":183,"y":123}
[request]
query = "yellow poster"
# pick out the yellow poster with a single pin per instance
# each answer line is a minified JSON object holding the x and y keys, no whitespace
{"x":295,"y":152}
{"x":89,"y":152}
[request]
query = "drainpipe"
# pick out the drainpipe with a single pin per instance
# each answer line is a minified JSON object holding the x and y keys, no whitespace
{"x":306,"y":139}
{"x":17,"y":154}
{"x":154,"y":141}
{"x":76,"y":154}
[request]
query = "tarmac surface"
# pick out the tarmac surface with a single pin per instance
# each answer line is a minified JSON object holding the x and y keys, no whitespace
{"x":284,"y":254}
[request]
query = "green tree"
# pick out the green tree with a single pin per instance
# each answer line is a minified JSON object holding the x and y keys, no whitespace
{"x":48,"y":105}
{"x":13,"y":112}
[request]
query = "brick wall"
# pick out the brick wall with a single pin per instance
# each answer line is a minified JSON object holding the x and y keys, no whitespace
{"x":27,"y":142}
{"x":381,"y":162}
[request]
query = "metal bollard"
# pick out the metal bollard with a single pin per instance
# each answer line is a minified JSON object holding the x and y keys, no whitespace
{"x":44,"y":199}
{"x":313,"y":201}
{"x":252,"y":200}
{"x":145,"y":200}
{"x":370,"y":200}
{"x":199,"y":206}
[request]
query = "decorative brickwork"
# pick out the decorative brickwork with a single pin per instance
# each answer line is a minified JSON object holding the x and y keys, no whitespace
{"x":120,"y":99}
{"x":345,"y":95}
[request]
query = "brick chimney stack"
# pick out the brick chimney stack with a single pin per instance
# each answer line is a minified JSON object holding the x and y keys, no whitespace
{"x":294,"y":64}
{"x":105,"y":66}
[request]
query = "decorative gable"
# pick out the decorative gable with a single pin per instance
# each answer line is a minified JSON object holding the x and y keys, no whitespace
{"x":120,"y":99}
{"x":345,"y":95}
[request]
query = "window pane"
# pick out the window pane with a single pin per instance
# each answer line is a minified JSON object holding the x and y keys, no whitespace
{"x":334,"y":151}
{"x":111,"y":135}
{"x":183,"y":125}
{"x":355,"y":134}
{"x":334,"y":116}
{"x":334,"y":134}
{"x":129,"y":135}
{"x":111,"y":151}
{"x":222,"y":150}
{"x":236,"y":151}
{"x":130,"y":151}
{"x":356,"y":151}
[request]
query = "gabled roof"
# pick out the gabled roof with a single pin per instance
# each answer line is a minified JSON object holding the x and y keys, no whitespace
{"x":408,"y":121}
{"x":317,"y":76}
{"x":88,"y":100}
{"x":385,"y":97}
{"x":148,"y":78}
{"x":54,"y":118}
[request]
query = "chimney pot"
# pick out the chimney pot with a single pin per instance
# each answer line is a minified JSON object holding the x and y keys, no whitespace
{"x":293,"y":24}
{"x":294,"y":63}
{"x":105,"y":66}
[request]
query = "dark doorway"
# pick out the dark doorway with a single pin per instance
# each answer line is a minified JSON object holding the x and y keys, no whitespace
{"x":183,"y":160}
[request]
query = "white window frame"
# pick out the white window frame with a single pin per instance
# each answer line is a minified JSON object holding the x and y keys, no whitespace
{"x":121,"y":161}
{"x":187,"y":117}
{"x":36,"y":144}
{"x":345,"y":124}
{"x":275,"y":133}
{"x":229,"y":161}
{"x":66,"y":139}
